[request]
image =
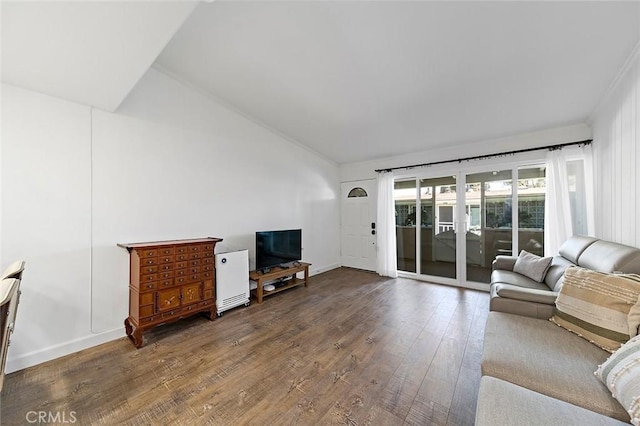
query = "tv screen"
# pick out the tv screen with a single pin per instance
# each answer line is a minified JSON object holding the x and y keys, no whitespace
{"x":275,"y":248}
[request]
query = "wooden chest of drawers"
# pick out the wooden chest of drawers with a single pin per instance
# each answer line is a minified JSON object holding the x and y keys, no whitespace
{"x":169,"y":280}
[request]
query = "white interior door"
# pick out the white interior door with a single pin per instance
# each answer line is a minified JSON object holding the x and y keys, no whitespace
{"x":359,"y":224}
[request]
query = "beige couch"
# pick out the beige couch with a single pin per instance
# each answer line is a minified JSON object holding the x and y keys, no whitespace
{"x":547,"y":374}
{"x":534,"y":372}
{"x":517,"y":294}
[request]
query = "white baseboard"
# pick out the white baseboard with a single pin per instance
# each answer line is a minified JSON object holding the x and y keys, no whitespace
{"x":47,"y":354}
{"x":315,"y":271}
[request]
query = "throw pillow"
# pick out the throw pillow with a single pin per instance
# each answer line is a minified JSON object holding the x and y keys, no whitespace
{"x":621,"y":374}
{"x":633,"y":319}
{"x":597,"y":306}
{"x":532,"y":266}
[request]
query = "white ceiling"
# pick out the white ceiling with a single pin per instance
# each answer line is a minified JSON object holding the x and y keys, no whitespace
{"x":92,"y":53}
{"x":351,"y":80}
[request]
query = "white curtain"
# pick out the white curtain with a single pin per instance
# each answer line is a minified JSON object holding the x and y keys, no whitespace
{"x":386,"y":242}
{"x":558,"y":227}
{"x":569,"y":198}
{"x":589,"y":192}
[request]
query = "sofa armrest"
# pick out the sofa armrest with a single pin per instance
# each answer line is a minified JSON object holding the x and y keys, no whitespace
{"x":505,"y":263}
{"x":526,"y":294}
{"x":522,"y":301}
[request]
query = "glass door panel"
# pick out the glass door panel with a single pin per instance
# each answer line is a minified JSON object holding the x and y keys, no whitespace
{"x":488,"y":230}
{"x":452,"y":227}
{"x":531,"y":200}
{"x":404,"y":195}
{"x":438,"y":246}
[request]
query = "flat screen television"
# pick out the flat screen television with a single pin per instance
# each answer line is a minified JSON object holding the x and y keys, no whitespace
{"x":276,"y":248}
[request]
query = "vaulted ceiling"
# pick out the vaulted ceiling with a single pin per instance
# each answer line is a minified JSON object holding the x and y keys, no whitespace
{"x":352,"y":80}
{"x":91,"y":53}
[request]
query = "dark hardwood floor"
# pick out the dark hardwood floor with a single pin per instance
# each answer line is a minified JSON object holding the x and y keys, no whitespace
{"x":353,"y":348}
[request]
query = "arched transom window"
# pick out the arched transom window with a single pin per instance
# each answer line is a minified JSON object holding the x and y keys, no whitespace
{"x":357,"y":192}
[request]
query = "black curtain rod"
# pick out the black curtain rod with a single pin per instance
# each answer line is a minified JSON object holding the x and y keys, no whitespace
{"x":484,"y":157}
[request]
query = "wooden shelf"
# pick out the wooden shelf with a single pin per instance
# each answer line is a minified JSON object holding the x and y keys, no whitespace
{"x":278,"y":272}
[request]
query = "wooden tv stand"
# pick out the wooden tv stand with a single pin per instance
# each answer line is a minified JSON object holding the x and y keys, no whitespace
{"x":279,"y":272}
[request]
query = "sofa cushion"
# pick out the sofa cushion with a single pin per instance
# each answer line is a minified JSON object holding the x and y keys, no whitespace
{"x":621,"y":374}
{"x":606,"y":256}
{"x":527,"y":294}
{"x":532,"y":266}
{"x":503,"y":403}
{"x":575,"y":246}
{"x":596,"y":306}
{"x":514,"y":278}
{"x":540,"y":356}
{"x":555,"y":274}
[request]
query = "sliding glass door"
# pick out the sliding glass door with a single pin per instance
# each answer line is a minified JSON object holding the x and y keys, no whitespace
{"x":449,"y":228}
{"x":438,"y":245}
{"x":488,"y":230}
{"x":404,"y":196}
{"x":532,"y":185}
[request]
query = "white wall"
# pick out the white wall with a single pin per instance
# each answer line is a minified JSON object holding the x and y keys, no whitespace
{"x":366,"y":170}
{"x":46,"y":217}
{"x":170,"y":163}
{"x":616,"y":151}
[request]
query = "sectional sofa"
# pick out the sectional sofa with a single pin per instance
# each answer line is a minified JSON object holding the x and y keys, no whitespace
{"x":533,"y":371}
{"x":517,"y":294}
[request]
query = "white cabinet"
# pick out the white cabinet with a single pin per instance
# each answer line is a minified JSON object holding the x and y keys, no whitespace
{"x":232,"y":280}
